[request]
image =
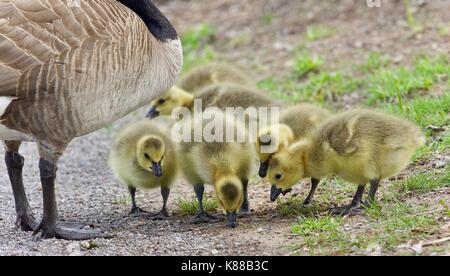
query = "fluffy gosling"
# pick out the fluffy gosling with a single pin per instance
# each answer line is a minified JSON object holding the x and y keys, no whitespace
{"x":219,"y":95}
{"x":296,"y":122}
{"x":227,"y":166}
{"x":143,"y":156}
{"x":360,"y":146}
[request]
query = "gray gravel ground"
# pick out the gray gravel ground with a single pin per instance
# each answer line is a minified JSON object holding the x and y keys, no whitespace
{"x":88,"y":193}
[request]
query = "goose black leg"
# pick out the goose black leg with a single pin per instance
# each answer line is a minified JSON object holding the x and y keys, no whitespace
{"x":245,"y":208}
{"x":353,"y":208}
{"x":49,"y":228}
{"x":135,"y":210}
{"x":203,"y":216}
{"x":14,"y":163}
{"x":163,"y":214}
{"x":312,"y":192}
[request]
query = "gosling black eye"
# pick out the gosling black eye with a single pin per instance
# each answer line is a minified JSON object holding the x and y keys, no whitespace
{"x":147,"y":156}
{"x":162,"y":101}
{"x":278,"y":176}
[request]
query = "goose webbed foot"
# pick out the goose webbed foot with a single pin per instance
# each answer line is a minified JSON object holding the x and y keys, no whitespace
{"x":204,"y":217}
{"x":245,"y":209}
{"x":353,"y":208}
{"x":347,"y":210}
{"x":161,"y":215}
{"x":137,"y":212}
{"x":26,"y":222}
{"x":307,"y":201}
{"x":68,"y":231}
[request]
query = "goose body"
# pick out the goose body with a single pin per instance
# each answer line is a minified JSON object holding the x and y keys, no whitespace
{"x":68,"y":68}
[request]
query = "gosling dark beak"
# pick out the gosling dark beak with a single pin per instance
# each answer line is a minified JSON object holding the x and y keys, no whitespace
{"x":157,"y":170}
{"x":152,"y":113}
{"x":275,"y":193}
{"x":263,"y":169}
{"x":231,"y":220}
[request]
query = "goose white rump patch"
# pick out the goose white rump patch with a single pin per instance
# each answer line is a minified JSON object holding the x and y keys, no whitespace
{"x":5,"y":132}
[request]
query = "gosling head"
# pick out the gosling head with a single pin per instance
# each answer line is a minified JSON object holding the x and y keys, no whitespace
{"x":271,"y":140}
{"x":230,"y":196}
{"x":286,"y":169}
{"x":166,"y":104}
{"x":150,"y":154}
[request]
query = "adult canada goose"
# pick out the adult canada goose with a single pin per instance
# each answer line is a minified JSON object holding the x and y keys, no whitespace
{"x":361,"y":146}
{"x":68,"y":68}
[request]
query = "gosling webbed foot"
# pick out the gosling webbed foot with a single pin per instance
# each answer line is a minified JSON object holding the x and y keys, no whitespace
{"x":307,"y":202}
{"x":138,"y":212}
{"x":347,"y":210}
{"x":68,"y":231}
{"x":245,"y":209}
{"x":204,"y":217}
{"x":161,"y":215}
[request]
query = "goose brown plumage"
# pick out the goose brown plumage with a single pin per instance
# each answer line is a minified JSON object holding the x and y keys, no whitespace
{"x":68,"y":68}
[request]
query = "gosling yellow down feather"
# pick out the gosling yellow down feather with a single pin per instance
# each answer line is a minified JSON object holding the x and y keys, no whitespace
{"x":143,"y":156}
{"x":213,"y":73}
{"x":360,"y":146}
{"x":296,"y":122}
{"x":227,"y":166}
{"x":218,"y":95}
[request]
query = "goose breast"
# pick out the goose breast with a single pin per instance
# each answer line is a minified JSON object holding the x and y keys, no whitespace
{"x":70,"y":67}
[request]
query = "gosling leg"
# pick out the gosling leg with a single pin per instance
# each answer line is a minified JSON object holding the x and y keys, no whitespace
{"x":203,"y":216}
{"x":163,"y":214}
{"x":245,"y":208}
{"x":353,"y":208}
{"x":135,"y":210}
{"x":14,"y":163}
{"x":374,"y":184}
{"x":312,"y":192}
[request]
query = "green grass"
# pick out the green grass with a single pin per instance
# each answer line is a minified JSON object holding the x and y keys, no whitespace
{"x":322,"y":235}
{"x":305,"y":63}
{"x":196,"y":45}
{"x":399,"y":84}
{"x":293,"y":206}
{"x":415,"y":27}
{"x":424,"y":111}
{"x":397,"y":223}
{"x":319,"y":88}
{"x":190,"y":206}
{"x":267,"y":19}
{"x":374,"y":62}
{"x":426,"y":181}
{"x":318,"y":32}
